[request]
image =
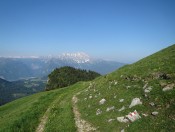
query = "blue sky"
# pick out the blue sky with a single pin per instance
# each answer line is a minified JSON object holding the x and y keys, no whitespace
{"x":121,"y":30}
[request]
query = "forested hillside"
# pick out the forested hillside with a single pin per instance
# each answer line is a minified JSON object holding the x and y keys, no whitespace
{"x":66,"y":76}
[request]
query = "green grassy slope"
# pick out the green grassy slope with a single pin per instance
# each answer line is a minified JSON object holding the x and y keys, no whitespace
{"x":157,"y":71}
{"x":24,"y":114}
{"x":61,"y":117}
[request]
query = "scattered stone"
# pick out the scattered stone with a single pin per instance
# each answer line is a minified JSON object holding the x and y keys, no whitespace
{"x":110,"y":108}
{"x":98,"y":112}
{"x":168,"y":87}
{"x":128,"y":87}
{"x":159,"y":75}
{"x":123,"y":130}
{"x":147,"y":90}
{"x":133,"y":116}
{"x":122,"y":119}
{"x":110,"y":120}
{"x":85,"y":99}
{"x":146,"y":95}
{"x":89,"y":106}
{"x":90,"y":97}
{"x":121,"y":100}
{"x":115,"y":96}
{"x":135,"y":101}
{"x":155,"y":113}
{"x":152,"y":104}
{"x":163,"y":84}
{"x":164,"y":76}
{"x":145,"y":115}
{"x":159,"y":107}
{"x":102,"y":101}
{"x":123,"y":108}
{"x":168,"y":106}
{"x":96,"y":96}
{"x":115,"y":83}
{"x":145,"y":86}
{"x":127,"y":78}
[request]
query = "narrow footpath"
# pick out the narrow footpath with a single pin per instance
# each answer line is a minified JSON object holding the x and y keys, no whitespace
{"x":82,"y":125}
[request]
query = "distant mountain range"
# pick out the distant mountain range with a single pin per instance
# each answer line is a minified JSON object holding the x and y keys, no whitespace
{"x":15,"y":68}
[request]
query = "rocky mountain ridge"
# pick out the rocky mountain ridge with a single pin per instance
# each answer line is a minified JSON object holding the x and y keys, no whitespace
{"x":12,"y":68}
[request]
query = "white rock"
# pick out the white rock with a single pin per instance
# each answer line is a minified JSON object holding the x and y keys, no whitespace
{"x":128,"y":87}
{"x":123,"y":130}
{"x":123,"y":108}
{"x":152,"y":103}
{"x":168,"y":87}
{"x":110,"y":120}
{"x":135,"y":101}
{"x":145,"y":86}
{"x":133,"y":116}
{"x":102,"y":101}
{"x":115,"y":96}
{"x":90,"y":97}
{"x":155,"y":113}
{"x":115,"y":83}
{"x":147,"y":90}
{"x":121,"y":100}
{"x":145,"y":115}
{"x":146,"y":95}
{"x":110,"y":108}
{"x":150,"y":88}
{"x":122,"y":119}
{"x":98,"y":112}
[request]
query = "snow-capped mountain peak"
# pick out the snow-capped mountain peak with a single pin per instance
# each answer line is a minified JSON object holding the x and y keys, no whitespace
{"x":79,"y":57}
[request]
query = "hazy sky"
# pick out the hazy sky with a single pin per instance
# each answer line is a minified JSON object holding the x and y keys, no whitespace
{"x":121,"y":30}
